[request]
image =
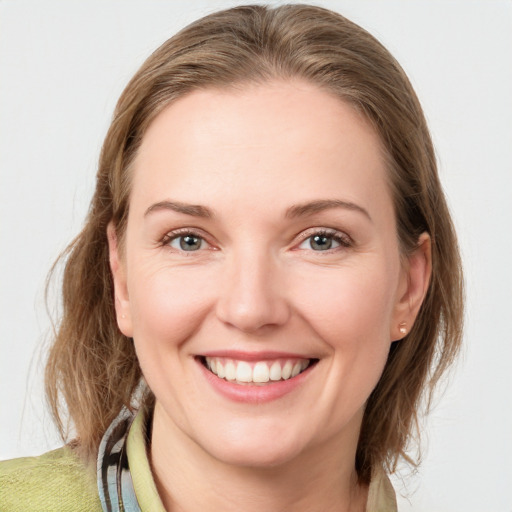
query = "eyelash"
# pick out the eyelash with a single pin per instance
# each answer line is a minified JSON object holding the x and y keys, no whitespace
{"x":180,"y":233}
{"x":342,"y":239}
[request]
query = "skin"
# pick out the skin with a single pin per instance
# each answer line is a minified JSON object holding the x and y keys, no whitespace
{"x":256,"y":283}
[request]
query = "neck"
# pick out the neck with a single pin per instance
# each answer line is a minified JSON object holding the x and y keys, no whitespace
{"x":190,"y":480}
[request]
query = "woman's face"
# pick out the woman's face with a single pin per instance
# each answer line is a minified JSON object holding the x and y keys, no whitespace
{"x":261,"y":243}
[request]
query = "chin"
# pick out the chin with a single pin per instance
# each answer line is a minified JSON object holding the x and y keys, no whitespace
{"x":261,"y":449}
{"x":255,"y":458}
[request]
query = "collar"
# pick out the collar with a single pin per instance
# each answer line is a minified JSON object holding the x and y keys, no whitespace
{"x":115,"y":484}
{"x":125,"y":481}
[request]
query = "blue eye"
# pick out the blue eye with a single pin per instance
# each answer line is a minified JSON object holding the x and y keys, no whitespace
{"x":188,"y":242}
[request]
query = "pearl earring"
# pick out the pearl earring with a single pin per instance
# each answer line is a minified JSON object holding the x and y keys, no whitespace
{"x":402,"y":328}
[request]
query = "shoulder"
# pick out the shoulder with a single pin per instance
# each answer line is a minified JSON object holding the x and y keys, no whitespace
{"x":57,"y":480}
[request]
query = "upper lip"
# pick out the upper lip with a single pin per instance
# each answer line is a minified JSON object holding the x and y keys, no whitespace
{"x":241,"y":355}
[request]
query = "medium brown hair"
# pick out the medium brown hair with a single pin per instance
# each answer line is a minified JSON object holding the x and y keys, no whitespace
{"x":93,"y":367}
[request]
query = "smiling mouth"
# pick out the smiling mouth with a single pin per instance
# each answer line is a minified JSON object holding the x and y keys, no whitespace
{"x":256,"y":372}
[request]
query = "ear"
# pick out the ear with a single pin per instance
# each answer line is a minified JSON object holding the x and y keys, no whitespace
{"x":416,"y":272}
{"x":118,"y":269}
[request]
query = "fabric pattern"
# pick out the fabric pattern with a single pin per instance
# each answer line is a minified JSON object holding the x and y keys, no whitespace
{"x":57,"y":481}
{"x":115,"y":484}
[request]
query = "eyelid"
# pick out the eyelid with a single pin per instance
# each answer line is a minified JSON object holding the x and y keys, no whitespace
{"x":344,"y":239}
{"x":176,"y":233}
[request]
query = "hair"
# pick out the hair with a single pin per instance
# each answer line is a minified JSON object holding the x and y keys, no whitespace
{"x":92,"y":366}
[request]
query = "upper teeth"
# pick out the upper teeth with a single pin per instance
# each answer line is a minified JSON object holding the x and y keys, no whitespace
{"x":257,"y":371}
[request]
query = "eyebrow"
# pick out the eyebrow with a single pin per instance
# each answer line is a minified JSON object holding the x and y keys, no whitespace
{"x":298,"y":210}
{"x":312,"y":207}
{"x":195,"y":210}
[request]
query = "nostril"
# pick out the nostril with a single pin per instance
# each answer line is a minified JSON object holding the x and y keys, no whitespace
{"x":255,"y":316}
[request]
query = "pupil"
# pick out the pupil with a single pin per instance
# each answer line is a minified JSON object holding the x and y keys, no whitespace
{"x":321,"y":243}
{"x":190,"y":243}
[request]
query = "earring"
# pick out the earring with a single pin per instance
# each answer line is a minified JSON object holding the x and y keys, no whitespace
{"x":402,"y":327}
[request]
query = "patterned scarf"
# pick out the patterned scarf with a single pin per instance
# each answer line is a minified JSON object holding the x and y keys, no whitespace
{"x":115,"y":483}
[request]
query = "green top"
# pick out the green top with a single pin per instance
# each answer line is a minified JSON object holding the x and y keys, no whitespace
{"x":59,"y":481}
{"x":55,"y":481}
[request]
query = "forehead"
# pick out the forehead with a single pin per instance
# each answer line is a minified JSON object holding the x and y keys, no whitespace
{"x":267,"y":140}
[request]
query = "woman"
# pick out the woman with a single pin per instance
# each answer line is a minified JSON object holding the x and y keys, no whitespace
{"x":266,"y":285}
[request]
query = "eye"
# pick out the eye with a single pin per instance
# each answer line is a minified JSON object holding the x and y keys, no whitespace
{"x":324,"y":240}
{"x":186,"y":242}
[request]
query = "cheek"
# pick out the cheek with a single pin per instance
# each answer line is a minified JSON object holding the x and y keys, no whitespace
{"x":351,"y":312}
{"x":354,"y":321}
{"x":349,"y":306}
{"x":167,"y":304}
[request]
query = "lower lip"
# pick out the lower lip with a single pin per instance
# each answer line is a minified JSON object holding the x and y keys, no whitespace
{"x":255,"y":394}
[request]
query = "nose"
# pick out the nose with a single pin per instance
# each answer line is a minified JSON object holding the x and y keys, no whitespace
{"x":253,"y":295}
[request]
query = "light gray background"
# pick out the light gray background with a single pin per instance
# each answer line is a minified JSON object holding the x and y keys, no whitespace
{"x":62,"y":66}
